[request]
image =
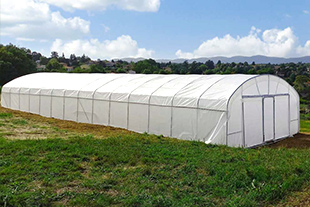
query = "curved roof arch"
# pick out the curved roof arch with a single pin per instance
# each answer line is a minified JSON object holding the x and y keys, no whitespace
{"x":259,"y":76}
{"x":191,"y":91}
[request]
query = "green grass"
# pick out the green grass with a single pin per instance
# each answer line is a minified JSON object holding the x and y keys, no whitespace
{"x":5,"y":115}
{"x":128,"y":169}
{"x":19,"y":122}
{"x":2,"y":123}
{"x":305,"y":126}
{"x":145,"y":170}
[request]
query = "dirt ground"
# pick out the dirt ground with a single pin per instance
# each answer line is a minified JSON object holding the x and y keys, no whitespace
{"x":299,"y":141}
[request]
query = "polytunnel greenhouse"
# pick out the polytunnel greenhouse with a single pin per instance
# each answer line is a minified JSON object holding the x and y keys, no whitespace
{"x":233,"y":110}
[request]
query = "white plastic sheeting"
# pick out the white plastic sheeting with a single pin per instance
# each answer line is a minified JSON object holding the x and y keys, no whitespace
{"x":235,"y":110}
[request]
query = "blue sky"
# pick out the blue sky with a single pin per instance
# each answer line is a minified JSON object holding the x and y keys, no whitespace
{"x":108,"y":29}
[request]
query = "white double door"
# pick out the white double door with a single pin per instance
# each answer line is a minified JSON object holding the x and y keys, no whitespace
{"x":265,"y":118}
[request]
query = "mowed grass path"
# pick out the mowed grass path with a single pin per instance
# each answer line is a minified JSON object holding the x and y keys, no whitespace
{"x":75,"y":168}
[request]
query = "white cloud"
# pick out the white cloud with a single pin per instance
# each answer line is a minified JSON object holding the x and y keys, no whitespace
{"x":134,"y":5}
{"x":23,"y":11}
{"x":304,"y":51}
{"x":25,"y":39}
{"x":273,"y":42}
{"x":123,"y":46}
{"x":306,"y":12}
{"x":32,"y":19}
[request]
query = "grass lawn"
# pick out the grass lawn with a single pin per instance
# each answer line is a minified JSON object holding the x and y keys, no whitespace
{"x":305,"y":126}
{"x":83,"y":165}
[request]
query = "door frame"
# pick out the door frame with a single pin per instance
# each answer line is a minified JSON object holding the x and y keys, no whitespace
{"x":263,"y":116}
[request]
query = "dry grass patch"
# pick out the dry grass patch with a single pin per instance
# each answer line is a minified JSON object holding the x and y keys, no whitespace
{"x":24,"y":125}
{"x":297,"y":199}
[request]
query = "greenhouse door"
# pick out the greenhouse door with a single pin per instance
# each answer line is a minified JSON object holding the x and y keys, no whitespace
{"x":268,"y":118}
{"x":282,"y":111}
{"x":252,"y":121}
{"x":265,"y":118}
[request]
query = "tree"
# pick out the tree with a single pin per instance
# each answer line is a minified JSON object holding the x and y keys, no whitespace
{"x":14,"y":62}
{"x":43,"y":60}
{"x":73,"y":60}
{"x":62,"y":59}
{"x":97,"y":69}
{"x":219,"y":63}
{"x":54,"y":65}
{"x":203,"y":68}
{"x":72,"y":57}
{"x":121,"y":70}
{"x":83,"y":59}
{"x":233,"y":64}
{"x":54,"y":54}
{"x":184,"y":67}
{"x":148,"y":65}
{"x":175,"y":68}
{"x":264,"y":70}
{"x":292,"y":78}
{"x":209,"y":71}
{"x":194,"y":68}
{"x":162,"y":71}
{"x":80,"y":70}
{"x":252,"y":71}
{"x":36,"y":56}
{"x":210,"y":64}
{"x":228,"y":70}
{"x":302,"y":86}
{"x":147,"y":71}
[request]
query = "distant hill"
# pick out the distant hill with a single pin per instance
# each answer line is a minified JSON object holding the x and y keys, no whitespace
{"x":258,"y":59}
{"x":132,"y":59}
